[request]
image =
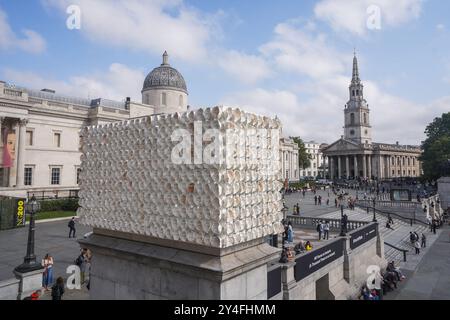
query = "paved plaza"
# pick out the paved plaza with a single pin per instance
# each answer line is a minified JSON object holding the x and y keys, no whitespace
{"x":50,"y":237}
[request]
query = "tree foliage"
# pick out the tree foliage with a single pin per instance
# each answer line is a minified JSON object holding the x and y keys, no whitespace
{"x":436,"y":148}
{"x":304,"y":158}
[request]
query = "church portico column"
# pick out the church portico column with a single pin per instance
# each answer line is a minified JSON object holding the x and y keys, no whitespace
{"x":347,"y":167}
{"x":355,"y":165}
{"x":21,"y":156}
{"x":369,"y":167}
{"x":331,"y":167}
{"x":364,"y":163}
{"x":339,"y":167}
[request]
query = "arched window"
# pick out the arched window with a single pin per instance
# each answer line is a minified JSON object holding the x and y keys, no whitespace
{"x":353,"y":92}
{"x":180,"y":100}
{"x":365,"y":118}
{"x":164,"y":99}
{"x":357,"y":92}
{"x":352,"y":118}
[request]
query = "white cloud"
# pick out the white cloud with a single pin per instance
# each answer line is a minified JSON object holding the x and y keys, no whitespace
{"x":116,"y":83}
{"x":150,"y":26}
{"x":31,"y":42}
{"x":246,"y":68}
{"x":303,"y":51}
{"x":352,"y":15}
{"x":440,"y":27}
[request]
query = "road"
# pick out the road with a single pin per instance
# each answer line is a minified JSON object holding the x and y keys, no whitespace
{"x":50,"y":237}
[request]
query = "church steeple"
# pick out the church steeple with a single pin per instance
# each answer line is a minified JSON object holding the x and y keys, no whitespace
{"x":355,"y":77}
{"x":356,"y":87}
{"x":357,"y":123}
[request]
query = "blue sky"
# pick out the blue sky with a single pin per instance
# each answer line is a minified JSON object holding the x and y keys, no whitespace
{"x":286,"y":58}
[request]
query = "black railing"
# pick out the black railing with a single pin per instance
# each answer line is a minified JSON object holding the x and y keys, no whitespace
{"x":410,"y":220}
{"x":404,"y":251}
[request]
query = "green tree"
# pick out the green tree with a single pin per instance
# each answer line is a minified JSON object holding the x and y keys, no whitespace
{"x":304,"y":158}
{"x":436,"y":148}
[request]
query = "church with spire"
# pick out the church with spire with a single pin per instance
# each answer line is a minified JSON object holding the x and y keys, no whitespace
{"x":356,"y":156}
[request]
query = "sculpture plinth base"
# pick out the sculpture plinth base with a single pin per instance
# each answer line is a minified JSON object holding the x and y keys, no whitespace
{"x":129,"y":269}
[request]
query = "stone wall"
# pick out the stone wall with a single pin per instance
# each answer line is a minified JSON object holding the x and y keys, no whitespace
{"x":343,"y":277}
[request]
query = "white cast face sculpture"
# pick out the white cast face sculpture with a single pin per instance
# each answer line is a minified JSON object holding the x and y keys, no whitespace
{"x":131,"y":183}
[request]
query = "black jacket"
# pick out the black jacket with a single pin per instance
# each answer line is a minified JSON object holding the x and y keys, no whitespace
{"x":57,"y":291}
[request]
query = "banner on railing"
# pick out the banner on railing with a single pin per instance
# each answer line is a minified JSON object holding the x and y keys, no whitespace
{"x":360,"y":237}
{"x":317,"y":259}
{"x":273,"y":282}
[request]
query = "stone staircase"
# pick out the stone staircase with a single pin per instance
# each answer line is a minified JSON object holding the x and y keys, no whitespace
{"x":399,"y":237}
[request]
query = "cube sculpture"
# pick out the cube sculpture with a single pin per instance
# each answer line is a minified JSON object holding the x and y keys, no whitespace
{"x":209,"y":177}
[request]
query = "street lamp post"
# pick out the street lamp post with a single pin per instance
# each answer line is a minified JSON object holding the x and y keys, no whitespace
{"x":342,"y":234}
{"x":374,"y":212}
{"x":29,"y":262}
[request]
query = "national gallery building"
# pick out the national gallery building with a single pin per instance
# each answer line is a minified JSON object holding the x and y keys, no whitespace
{"x":354,"y":155}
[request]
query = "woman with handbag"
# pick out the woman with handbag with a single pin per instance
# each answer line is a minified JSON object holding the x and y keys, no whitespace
{"x":47,"y":263}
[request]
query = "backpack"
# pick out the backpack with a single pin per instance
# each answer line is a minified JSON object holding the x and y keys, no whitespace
{"x":79,"y":260}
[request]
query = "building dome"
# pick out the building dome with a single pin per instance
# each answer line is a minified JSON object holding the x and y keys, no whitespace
{"x":165,"y":77}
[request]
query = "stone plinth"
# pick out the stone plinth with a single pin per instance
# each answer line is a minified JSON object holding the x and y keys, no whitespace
{"x":129,"y":269}
{"x":29,"y":282}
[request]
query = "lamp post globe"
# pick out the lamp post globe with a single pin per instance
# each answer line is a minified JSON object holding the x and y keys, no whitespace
{"x":29,"y":261}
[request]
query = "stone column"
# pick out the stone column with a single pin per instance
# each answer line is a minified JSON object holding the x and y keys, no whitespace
{"x":389,"y":162}
{"x":355,"y":165}
{"x":13,"y":169}
{"x":331,"y":167}
{"x":339,"y":167}
{"x":364,"y":163}
{"x":347,"y":167}
{"x":21,"y":152}
{"x":369,"y":167}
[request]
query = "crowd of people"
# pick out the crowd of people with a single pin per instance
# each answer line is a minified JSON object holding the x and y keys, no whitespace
{"x":387,"y":282}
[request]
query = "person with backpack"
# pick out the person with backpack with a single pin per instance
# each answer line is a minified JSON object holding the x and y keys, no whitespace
{"x":58,"y":289}
{"x":412,"y":237}
{"x":71,"y":226}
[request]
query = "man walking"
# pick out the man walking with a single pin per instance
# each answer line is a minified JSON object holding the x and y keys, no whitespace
{"x":71,"y":226}
{"x":320,"y":200}
{"x":424,"y":241}
{"x":315,"y":200}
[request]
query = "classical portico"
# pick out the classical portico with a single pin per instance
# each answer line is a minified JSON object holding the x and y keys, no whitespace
{"x":12,"y":141}
{"x":355,"y":156}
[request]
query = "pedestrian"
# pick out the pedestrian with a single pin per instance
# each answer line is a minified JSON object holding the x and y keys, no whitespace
{"x":412,"y":237}
{"x":71,"y":226}
{"x":315,"y":200}
{"x":417,"y":246}
{"x":58,"y":289}
{"x":335,"y":202}
{"x":424,"y":241}
{"x":47,"y":276}
{"x":290,"y":233}
{"x":434,"y":224}
{"x":328,"y":201}
{"x":320,"y":200}
{"x":320,"y":229}
{"x":344,"y":222}
{"x":298,"y":209}
{"x":326,"y":230}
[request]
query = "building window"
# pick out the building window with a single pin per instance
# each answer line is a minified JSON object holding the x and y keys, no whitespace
{"x":393,"y":161}
{"x":365,"y":118}
{"x":180,"y":101}
{"x":55,"y":178}
{"x":57,"y":139}
{"x":352,"y":118}
{"x":287,"y":174}
{"x":29,"y":138}
{"x":414,"y":172}
{"x":353,"y":92}
{"x":409,"y":162}
{"x":398,"y":161}
{"x":393,"y":172}
{"x":78,"y":175}
{"x":414,"y":161}
{"x":28,"y":176}
{"x":357,"y":92}
{"x":163,"y":98}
